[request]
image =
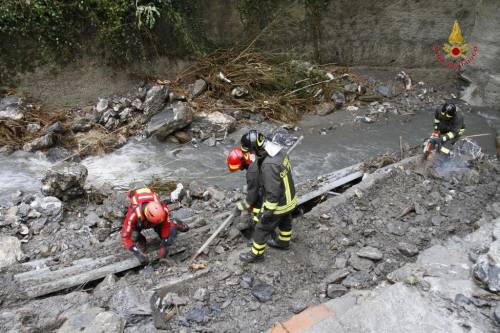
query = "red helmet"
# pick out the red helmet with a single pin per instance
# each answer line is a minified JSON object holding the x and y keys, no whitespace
{"x":238,"y":160}
{"x":154,"y":212}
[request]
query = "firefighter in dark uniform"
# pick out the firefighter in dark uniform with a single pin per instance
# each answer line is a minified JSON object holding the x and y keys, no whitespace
{"x":449,"y":126}
{"x":239,"y":160}
{"x":278,"y":194}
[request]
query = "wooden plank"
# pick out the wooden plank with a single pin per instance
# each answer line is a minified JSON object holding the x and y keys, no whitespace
{"x":79,"y":266}
{"x":329,"y":186}
{"x":329,"y":177}
{"x":80,"y":279}
{"x":184,"y":278}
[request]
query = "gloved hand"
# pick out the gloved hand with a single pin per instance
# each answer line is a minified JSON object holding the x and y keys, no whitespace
{"x":171,"y":235}
{"x":181,"y":226}
{"x":143,"y":258}
{"x":242,"y":205}
{"x":264,"y":215}
{"x":163,"y":248}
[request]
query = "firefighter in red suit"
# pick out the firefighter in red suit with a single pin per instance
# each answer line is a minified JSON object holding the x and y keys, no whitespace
{"x":146,"y":211}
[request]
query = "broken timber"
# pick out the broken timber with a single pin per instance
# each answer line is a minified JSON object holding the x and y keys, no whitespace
{"x":43,"y":281}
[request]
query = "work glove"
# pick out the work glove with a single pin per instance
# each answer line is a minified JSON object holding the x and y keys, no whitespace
{"x":265,"y":215}
{"x":143,"y":258}
{"x":163,"y":248}
{"x":242,"y":205}
{"x":181,"y":226}
{"x":171,"y":235}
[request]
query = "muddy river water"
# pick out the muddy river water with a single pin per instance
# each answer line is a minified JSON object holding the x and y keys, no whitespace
{"x":329,"y":143}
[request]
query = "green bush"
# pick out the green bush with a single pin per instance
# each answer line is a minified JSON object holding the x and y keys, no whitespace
{"x":33,"y":31}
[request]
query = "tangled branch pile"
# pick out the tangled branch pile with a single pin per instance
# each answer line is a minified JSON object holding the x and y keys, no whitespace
{"x":281,"y":90}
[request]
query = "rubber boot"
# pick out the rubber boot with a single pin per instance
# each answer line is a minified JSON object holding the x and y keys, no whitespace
{"x":278,"y":244}
{"x":250,"y":258}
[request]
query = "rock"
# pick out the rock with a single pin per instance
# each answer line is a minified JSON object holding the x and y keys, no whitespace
{"x":43,"y":142}
{"x":65,"y":180}
{"x":105,"y":290}
{"x":155,"y":100}
{"x":33,"y":127}
{"x":352,"y":108}
{"x":360,"y":264}
{"x":11,"y":217}
{"x":143,"y":328}
{"x":196,"y":189}
{"x":10,"y":108}
{"x":407,"y":249}
{"x":486,"y":270}
{"x":397,"y":228}
{"x":49,"y":207}
{"x":137,"y":104}
{"x":437,"y":220}
{"x":336,"y":290}
{"x":129,"y":301}
{"x":247,"y":280}
{"x":182,"y":136}
{"x":170,"y":120}
{"x":115,"y":205}
{"x":351,"y":88}
{"x":216,"y":194}
{"x":103,"y":322}
{"x":384,"y":91}
{"x":215,"y":122}
{"x":263,"y":292}
{"x":337,"y":276}
{"x":496,"y":231}
{"x":82,"y":124}
{"x":211,"y":141}
{"x":325,"y":108}
{"x":112,"y":123}
{"x":55,"y":128}
{"x":370,"y":253}
{"x":340,"y":262}
{"x":197,"y":314}
{"x":57,"y":154}
{"x":338,"y":99}
{"x":357,"y":280}
{"x":199,"y":88}
{"x":201,"y":295}
{"x":125,"y":114}
{"x":496,"y":314}
{"x":102,"y":105}
{"x":10,"y":250}
{"x":92,"y":219}
{"x":299,"y":306}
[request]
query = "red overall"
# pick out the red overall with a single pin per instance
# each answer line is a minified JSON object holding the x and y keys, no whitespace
{"x":135,"y":220}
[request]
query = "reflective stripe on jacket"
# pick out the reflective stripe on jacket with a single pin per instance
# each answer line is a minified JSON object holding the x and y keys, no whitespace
{"x":277,"y":181}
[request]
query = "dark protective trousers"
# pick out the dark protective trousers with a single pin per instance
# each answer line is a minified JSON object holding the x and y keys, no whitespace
{"x":263,"y":229}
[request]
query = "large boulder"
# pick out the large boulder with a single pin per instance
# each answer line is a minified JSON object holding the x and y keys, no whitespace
{"x":10,"y":108}
{"x":208,"y":125}
{"x":171,"y":119}
{"x":65,"y":180}
{"x":486,"y":271}
{"x":10,"y":251}
{"x":155,"y":100}
{"x":130,"y":301}
{"x":92,"y":320}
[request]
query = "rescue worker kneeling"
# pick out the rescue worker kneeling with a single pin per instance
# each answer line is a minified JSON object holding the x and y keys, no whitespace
{"x":448,"y":128}
{"x":278,"y":191}
{"x":146,"y":211}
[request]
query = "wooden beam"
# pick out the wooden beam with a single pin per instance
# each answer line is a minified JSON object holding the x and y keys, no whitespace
{"x":329,"y":186}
